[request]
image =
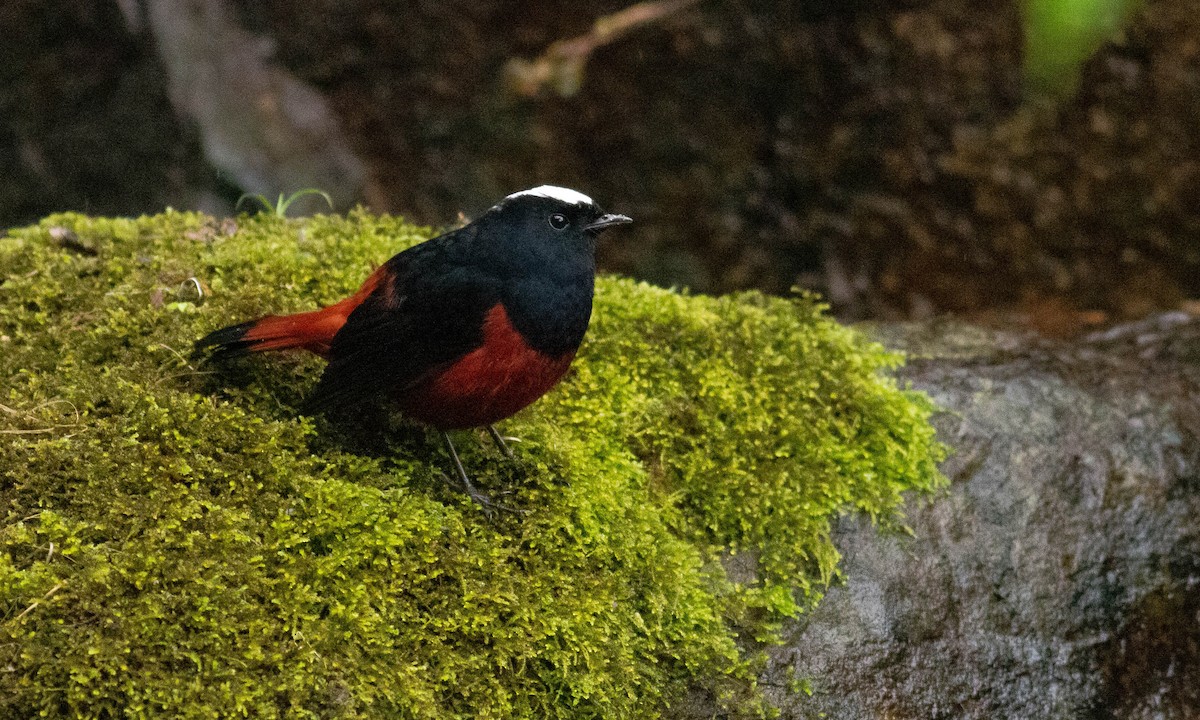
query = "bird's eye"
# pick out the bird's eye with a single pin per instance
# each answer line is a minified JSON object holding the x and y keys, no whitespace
{"x":558,"y":221}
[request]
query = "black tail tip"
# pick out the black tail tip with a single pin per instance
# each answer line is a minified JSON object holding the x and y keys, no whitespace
{"x":224,"y":344}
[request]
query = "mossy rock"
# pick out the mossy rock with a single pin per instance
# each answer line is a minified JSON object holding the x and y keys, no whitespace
{"x":179,"y":540}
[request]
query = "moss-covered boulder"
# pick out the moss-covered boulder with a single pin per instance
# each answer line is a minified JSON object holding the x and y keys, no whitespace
{"x":179,"y":540}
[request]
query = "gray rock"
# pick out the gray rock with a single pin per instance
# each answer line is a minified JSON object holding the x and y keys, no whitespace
{"x":1059,"y":576}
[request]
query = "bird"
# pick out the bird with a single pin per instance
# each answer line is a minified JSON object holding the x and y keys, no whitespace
{"x":460,"y":331}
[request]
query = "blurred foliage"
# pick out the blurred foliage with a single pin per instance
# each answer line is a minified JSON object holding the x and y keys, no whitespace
{"x":1061,"y":35}
{"x":176,"y":541}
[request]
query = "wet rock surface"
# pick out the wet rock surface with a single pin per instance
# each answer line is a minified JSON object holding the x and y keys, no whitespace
{"x":1059,"y":576}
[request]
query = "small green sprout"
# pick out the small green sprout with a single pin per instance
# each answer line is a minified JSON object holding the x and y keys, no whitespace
{"x":281,"y":205}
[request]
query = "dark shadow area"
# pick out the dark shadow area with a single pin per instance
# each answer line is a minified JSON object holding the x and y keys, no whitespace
{"x":889,"y":155}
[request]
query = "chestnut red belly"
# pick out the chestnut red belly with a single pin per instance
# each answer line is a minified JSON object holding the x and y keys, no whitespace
{"x":488,"y":384}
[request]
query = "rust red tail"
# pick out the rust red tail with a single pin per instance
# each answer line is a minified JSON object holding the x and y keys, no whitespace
{"x":311,"y":331}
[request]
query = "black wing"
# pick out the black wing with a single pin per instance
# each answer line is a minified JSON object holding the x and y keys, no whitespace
{"x":425,"y":315}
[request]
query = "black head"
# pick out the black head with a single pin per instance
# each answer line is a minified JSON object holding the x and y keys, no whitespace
{"x":550,"y":219}
{"x":540,"y":244}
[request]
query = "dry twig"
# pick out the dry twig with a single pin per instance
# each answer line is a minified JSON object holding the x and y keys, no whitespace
{"x":561,"y":66}
{"x":30,"y":417}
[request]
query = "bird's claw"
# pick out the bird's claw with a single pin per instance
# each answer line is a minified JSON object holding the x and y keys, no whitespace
{"x":465,"y":482}
{"x":490,"y":508}
{"x":485,"y":503}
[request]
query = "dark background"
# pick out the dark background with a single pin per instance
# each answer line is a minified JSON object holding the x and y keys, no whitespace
{"x":903,"y":158}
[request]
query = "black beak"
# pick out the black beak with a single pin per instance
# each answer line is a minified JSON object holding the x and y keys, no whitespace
{"x":608,"y":220}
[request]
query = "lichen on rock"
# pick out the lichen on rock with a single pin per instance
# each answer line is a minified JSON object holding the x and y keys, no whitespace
{"x":177,"y":539}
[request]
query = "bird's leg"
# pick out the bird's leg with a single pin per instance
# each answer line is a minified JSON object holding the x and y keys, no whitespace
{"x":462,"y":473}
{"x":483,"y":500}
{"x":500,"y":442}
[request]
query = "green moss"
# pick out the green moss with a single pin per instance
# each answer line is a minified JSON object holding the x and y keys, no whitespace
{"x":175,"y":541}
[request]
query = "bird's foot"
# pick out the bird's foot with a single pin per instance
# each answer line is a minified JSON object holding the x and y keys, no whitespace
{"x":465,"y":483}
{"x":490,"y":507}
{"x":485,"y":502}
